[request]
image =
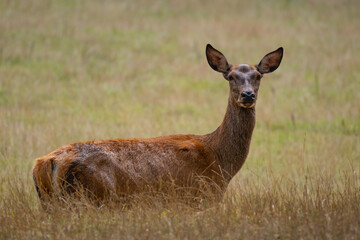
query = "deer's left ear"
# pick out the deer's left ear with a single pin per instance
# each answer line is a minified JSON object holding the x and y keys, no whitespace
{"x":271,"y":61}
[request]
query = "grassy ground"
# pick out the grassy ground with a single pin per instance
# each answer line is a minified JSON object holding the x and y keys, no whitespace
{"x":82,"y":70}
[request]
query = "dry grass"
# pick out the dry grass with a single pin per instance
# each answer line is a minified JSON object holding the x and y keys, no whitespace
{"x":81,"y":70}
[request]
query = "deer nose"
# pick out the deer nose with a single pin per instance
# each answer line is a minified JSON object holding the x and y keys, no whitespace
{"x":248,"y":96}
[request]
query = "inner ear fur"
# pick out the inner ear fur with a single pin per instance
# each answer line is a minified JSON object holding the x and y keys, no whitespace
{"x":217,"y":60}
{"x":270,"y":61}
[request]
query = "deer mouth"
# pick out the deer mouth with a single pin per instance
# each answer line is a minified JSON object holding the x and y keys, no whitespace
{"x":247,"y":104}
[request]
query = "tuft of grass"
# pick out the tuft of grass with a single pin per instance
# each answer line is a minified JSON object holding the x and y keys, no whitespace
{"x":83,"y":70}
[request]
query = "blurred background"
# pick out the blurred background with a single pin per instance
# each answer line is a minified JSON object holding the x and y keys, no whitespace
{"x":88,"y":70}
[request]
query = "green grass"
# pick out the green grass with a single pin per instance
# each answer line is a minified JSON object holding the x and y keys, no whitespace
{"x":82,"y":70}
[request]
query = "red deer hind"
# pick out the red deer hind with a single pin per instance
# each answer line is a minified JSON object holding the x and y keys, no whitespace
{"x":122,"y":167}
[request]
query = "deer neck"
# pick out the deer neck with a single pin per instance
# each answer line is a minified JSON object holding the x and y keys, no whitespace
{"x":231,"y":140}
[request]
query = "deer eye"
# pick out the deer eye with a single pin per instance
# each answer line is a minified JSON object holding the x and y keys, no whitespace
{"x":231,"y":78}
{"x":258,"y":77}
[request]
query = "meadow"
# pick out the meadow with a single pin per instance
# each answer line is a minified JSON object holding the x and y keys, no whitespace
{"x":74,"y":71}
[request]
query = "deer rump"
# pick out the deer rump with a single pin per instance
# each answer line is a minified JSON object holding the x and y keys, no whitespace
{"x":114,"y":169}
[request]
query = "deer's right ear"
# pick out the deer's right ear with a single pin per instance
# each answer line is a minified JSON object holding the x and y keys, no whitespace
{"x":216,"y":60}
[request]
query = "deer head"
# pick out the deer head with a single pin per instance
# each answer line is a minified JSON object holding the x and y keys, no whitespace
{"x":244,"y":79}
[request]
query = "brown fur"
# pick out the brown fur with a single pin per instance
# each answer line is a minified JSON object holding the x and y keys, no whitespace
{"x":253,"y":67}
{"x":121,"y":167}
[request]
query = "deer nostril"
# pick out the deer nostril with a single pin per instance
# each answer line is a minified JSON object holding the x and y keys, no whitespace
{"x":248,"y":95}
{"x":244,"y":94}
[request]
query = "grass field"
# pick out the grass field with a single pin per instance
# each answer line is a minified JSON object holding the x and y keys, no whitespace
{"x":83,"y":70}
